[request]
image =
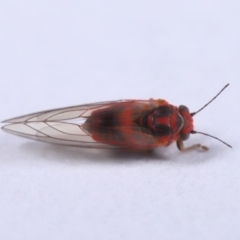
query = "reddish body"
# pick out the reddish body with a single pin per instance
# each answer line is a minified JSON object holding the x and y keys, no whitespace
{"x":139,"y":124}
{"x":131,"y":124}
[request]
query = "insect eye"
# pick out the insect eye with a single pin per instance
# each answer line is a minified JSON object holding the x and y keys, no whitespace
{"x":184,"y":136}
{"x":183,"y":108}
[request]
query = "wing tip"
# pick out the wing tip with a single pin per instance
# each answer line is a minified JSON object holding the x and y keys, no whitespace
{"x":10,"y":120}
{"x":5,"y":129}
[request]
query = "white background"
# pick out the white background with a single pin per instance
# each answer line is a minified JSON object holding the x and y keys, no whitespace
{"x":63,"y":53}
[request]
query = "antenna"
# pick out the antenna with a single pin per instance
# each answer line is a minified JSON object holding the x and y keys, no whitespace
{"x":194,"y":113}
{"x":212,"y":137}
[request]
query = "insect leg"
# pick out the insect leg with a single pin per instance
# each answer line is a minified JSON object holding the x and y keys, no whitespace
{"x":181,"y":147}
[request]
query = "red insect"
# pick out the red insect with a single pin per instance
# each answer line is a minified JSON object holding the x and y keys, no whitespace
{"x":128,"y":124}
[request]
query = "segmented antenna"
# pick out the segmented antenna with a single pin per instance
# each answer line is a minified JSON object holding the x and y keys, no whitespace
{"x":193,"y":131}
{"x":194,"y":113}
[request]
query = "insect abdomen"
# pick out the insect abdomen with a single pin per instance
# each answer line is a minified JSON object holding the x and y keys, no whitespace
{"x":120,"y":129}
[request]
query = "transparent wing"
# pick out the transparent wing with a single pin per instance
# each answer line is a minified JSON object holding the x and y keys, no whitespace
{"x":60,"y":114}
{"x":75,"y":135}
{"x":65,"y":125}
{"x":55,"y":132}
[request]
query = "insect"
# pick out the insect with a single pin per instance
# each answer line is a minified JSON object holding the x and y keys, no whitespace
{"x":126,"y":124}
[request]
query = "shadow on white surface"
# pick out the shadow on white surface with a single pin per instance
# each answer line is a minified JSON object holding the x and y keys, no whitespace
{"x":61,"y":154}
